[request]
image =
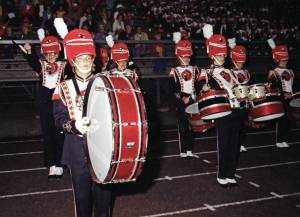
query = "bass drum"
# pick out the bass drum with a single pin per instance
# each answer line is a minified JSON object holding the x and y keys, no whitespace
{"x":116,"y":142}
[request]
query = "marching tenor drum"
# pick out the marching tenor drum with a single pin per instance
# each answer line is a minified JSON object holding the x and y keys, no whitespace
{"x":213,"y":104}
{"x":267,"y":106}
{"x":241,"y":92}
{"x":116,"y":142}
{"x":257,"y":92}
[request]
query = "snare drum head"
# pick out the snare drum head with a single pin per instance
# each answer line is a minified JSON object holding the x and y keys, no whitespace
{"x":99,"y":139}
{"x":295,"y":103}
{"x":192,"y":109}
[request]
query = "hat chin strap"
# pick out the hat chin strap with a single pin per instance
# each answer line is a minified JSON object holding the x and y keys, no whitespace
{"x":235,"y":65}
{"x":218,"y":62}
{"x":85,"y":72}
{"x":182,"y":61}
{"x":119,"y":67}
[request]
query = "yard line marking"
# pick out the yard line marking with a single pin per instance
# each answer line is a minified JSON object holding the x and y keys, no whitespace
{"x":178,"y":212}
{"x":168,"y":178}
{"x":35,"y":193}
{"x":23,"y":170}
{"x":21,"y":153}
{"x":169,"y":130}
{"x":175,"y":130}
{"x":164,"y":156}
{"x":21,"y":141}
{"x":238,"y":176}
{"x":238,"y":169}
{"x":206,"y":161}
{"x":276,"y":195}
{"x":254,"y":184}
{"x":215,"y":151}
{"x":209,"y":207}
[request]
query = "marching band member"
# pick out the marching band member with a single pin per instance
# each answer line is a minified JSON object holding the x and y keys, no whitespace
{"x":182,"y":84}
{"x":51,"y":72}
{"x":282,"y":78}
{"x":238,"y":59}
{"x":120,"y":56}
{"x":67,"y":106}
{"x":229,"y":126}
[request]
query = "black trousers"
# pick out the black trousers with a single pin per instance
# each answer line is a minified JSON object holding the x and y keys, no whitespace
{"x":228,"y":136}
{"x":184,"y":132}
{"x":53,"y":139}
{"x":283,"y":128}
{"x":89,"y":196}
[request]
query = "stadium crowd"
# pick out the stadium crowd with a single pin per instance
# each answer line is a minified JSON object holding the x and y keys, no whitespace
{"x":155,"y":20}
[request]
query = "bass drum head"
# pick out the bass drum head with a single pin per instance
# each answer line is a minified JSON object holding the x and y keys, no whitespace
{"x":99,"y":138}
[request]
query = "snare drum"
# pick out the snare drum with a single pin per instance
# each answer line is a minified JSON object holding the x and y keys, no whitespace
{"x":199,"y":125}
{"x":213,"y":104}
{"x":254,"y":124}
{"x":295,"y":110}
{"x":268,"y":108}
{"x":241,"y":92}
{"x":257,"y":92}
{"x":116,"y":142}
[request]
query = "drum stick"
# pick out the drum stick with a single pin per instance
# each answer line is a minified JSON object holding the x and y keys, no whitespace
{"x":296,"y":94}
{"x":20,"y":46}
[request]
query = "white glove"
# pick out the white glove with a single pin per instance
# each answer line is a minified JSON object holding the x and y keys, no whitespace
{"x":82,"y":127}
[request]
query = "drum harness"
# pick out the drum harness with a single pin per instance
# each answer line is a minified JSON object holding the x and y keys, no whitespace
{"x":234,"y":103}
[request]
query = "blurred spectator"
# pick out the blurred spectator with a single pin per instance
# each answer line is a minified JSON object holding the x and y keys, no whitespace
{"x":158,"y":50}
{"x":101,"y":33}
{"x":8,"y":51}
{"x":47,"y":15}
{"x":118,"y":26}
{"x":223,"y":28}
{"x":127,"y":34}
{"x":120,"y":9}
{"x":82,"y":19}
{"x":60,"y":13}
{"x":140,"y":49}
{"x":26,"y":32}
{"x":90,"y":24}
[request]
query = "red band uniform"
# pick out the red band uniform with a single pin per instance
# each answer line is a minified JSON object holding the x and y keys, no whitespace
{"x":182,"y":85}
{"x":282,"y":78}
{"x":68,"y":102}
{"x":50,"y":75}
{"x":238,"y":59}
{"x":229,"y":126}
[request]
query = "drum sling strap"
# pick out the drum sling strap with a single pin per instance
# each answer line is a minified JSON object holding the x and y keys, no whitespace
{"x":78,"y":98}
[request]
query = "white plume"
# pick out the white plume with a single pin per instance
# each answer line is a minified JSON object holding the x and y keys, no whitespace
{"x":176,"y":37}
{"x":207,"y":31}
{"x":41,"y":34}
{"x":271,"y":43}
{"x":61,"y":27}
{"x":231,"y":42}
{"x":109,"y":40}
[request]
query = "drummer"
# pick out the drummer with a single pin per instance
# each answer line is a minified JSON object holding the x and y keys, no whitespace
{"x":120,"y":56}
{"x":229,"y":126}
{"x":182,"y":83}
{"x":89,"y":196}
{"x":238,"y":59}
{"x":282,"y":78}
